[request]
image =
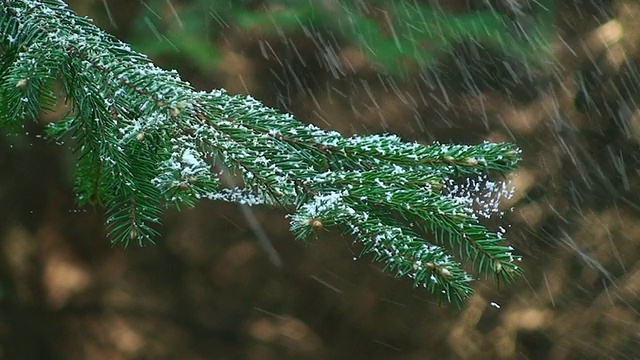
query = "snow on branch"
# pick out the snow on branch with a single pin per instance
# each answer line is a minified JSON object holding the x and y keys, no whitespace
{"x":146,"y":140}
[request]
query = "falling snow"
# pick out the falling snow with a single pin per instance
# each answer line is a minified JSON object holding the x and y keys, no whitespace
{"x":566,"y":94}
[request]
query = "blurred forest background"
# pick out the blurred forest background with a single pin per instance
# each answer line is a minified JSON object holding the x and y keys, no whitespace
{"x":560,"y":78}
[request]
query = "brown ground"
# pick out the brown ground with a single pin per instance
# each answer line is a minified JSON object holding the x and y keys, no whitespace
{"x":208,"y":291}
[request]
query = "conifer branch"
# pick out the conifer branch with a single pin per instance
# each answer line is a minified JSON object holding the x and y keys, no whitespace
{"x":146,"y":140}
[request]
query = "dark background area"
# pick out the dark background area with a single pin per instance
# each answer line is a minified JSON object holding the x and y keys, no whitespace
{"x":208,"y":291}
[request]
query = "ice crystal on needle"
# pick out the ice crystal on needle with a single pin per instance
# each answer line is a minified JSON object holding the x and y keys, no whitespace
{"x":479,"y":195}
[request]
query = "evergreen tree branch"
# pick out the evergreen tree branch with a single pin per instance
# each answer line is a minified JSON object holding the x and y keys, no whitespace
{"x":146,"y":140}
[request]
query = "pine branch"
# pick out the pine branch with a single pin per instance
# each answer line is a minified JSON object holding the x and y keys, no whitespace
{"x":146,"y":140}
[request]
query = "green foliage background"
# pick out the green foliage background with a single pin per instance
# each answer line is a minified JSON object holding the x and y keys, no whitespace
{"x":399,"y":36}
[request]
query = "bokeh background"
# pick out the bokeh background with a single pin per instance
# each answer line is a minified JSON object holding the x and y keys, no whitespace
{"x":560,"y":78}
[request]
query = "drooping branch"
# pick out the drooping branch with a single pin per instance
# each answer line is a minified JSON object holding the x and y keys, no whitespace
{"x":145,"y":140}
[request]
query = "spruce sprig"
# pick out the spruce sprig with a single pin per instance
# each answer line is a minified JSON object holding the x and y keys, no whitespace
{"x":146,"y":140}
